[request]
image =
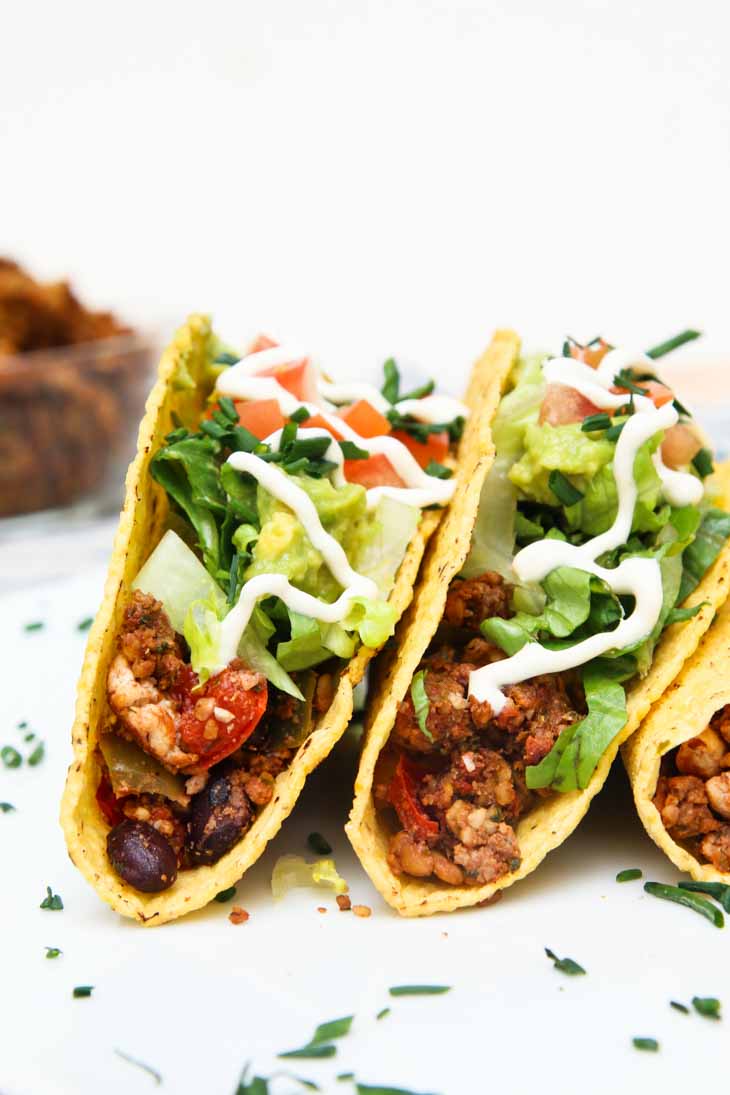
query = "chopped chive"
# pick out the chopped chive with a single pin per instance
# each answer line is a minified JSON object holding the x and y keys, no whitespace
{"x":37,"y":755}
{"x":351,"y":451}
{"x":681,"y":897}
{"x":382,"y":1013}
{"x":420,"y":392}
{"x":625,"y":379}
{"x":333,"y":1028}
{"x":53,"y":952}
{"x":672,"y":343}
{"x":594,"y":422}
{"x":421,"y":702}
{"x":29,"y":737}
{"x":7,"y":808}
{"x":310,"y":1052}
{"x":614,"y":432}
{"x":34,"y":625}
{"x":225,"y":895}
{"x":156,"y":1076}
{"x":301,"y":414}
{"x":318,"y":844}
{"x":391,"y":381}
{"x":563,"y":489}
{"x":719,"y":890}
{"x":11,"y":758}
{"x":565,"y":965}
{"x":419,"y":990}
{"x":566,"y":348}
{"x":629,"y":875}
{"x":82,"y":991}
{"x":708,"y":1006}
{"x":85,"y":624}
{"x":226,"y":358}
{"x":228,"y":408}
{"x":379,"y":1089}
{"x":51,"y":901}
{"x":345,"y":1075}
{"x":702,"y":463}
{"x":679,"y":1007}
{"x":649,"y":1044}
{"x":680,"y":408}
{"x":439,"y":471}
{"x":22,"y":725}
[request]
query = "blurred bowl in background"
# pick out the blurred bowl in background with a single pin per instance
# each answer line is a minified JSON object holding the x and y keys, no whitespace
{"x":68,"y":420}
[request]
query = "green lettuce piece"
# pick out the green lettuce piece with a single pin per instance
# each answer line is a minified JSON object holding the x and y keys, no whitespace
{"x":569,"y":600}
{"x":255,"y":653}
{"x":174,"y":575}
{"x":699,"y":556}
{"x":188,"y":471}
{"x":373,"y":620}
{"x":202,"y":634}
{"x":572,"y":760}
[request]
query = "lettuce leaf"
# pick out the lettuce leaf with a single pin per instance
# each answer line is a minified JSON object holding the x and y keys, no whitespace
{"x":573,"y":758}
{"x":174,"y":575}
{"x":699,"y":556}
{"x":373,"y":620}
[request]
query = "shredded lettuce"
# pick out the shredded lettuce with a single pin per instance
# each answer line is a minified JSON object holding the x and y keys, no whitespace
{"x":572,"y":760}
{"x":293,"y":871}
{"x":174,"y":575}
{"x":374,"y":621}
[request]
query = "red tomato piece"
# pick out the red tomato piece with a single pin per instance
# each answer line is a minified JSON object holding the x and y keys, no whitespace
{"x":364,"y":419}
{"x":262,"y":342}
{"x":107,"y":801}
{"x":297,"y":377}
{"x":680,"y":446}
{"x":403,"y":795}
{"x":436,"y":447}
{"x":374,"y":471}
{"x":562,"y":405}
{"x":207,"y":728}
{"x":261,"y":416}
{"x":592,"y":355}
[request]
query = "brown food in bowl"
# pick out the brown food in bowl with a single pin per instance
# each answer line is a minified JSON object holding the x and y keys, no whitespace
{"x":72,"y":385}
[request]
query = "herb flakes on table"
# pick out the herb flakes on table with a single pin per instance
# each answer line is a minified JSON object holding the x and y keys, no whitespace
{"x":629,"y":875}
{"x":649,"y":1045}
{"x":318,"y":844}
{"x":689,"y":900}
{"x":53,"y":952}
{"x":156,"y":1076}
{"x":51,"y":901}
{"x":419,"y":990}
{"x":707,"y":1006}
{"x":81,"y":992}
{"x":319,"y":1044}
{"x":565,"y":965}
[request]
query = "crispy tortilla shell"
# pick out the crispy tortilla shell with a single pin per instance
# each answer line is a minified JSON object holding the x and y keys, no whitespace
{"x":182,"y":390}
{"x":545,"y":827}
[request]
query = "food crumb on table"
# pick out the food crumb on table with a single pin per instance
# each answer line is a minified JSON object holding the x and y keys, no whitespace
{"x":362,"y":910}
{"x":344,"y":902}
{"x":237,"y":915}
{"x":321,"y":909}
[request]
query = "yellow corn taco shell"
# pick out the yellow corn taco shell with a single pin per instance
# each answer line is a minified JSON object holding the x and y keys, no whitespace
{"x":548,"y":825}
{"x":685,"y":710}
{"x":182,"y":389}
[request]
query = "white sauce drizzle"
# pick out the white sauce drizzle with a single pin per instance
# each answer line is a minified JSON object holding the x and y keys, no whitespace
{"x":640,"y":578}
{"x":281,"y":486}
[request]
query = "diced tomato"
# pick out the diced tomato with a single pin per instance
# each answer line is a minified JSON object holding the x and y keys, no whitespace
{"x":436,"y":447}
{"x":234,"y":693}
{"x":654,"y":390}
{"x":107,"y":801}
{"x":592,"y":355}
{"x":317,"y":422}
{"x":680,"y":446}
{"x":297,"y":377}
{"x":364,"y":419}
{"x":403,"y":795}
{"x":261,"y":416}
{"x":562,"y":405}
{"x":374,"y":471}
{"x":262,"y":342}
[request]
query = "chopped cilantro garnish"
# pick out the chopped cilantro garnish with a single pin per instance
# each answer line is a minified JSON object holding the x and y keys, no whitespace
{"x":649,"y":1044}
{"x":11,"y":758}
{"x":225,"y":895}
{"x":565,"y":965}
{"x":629,"y":875}
{"x":51,"y":901}
{"x":419,"y":990}
{"x":709,"y":1006}
{"x":318,"y":844}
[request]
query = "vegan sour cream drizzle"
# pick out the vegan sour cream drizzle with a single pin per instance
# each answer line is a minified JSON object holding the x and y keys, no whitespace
{"x":639,"y":578}
{"x":241,"y":381}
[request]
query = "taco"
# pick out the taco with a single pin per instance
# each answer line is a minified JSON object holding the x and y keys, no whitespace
{"x":569,"y":581}
{"x":678,"y":762}
{"x":273,"y":527}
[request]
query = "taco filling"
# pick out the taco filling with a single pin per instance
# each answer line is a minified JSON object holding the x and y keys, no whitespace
{"x":693,"y":793}
{"x":292,"y":504}
{"x":596,"y":520}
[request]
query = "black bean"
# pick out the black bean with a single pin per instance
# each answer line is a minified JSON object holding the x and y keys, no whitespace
{"x":142,"y":856}
{"x":221,"y":814}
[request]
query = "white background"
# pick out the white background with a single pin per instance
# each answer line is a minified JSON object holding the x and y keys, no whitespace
{"x":364,"y":178}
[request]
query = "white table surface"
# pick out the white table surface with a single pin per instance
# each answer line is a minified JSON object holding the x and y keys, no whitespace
{"x":364,"y":178}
